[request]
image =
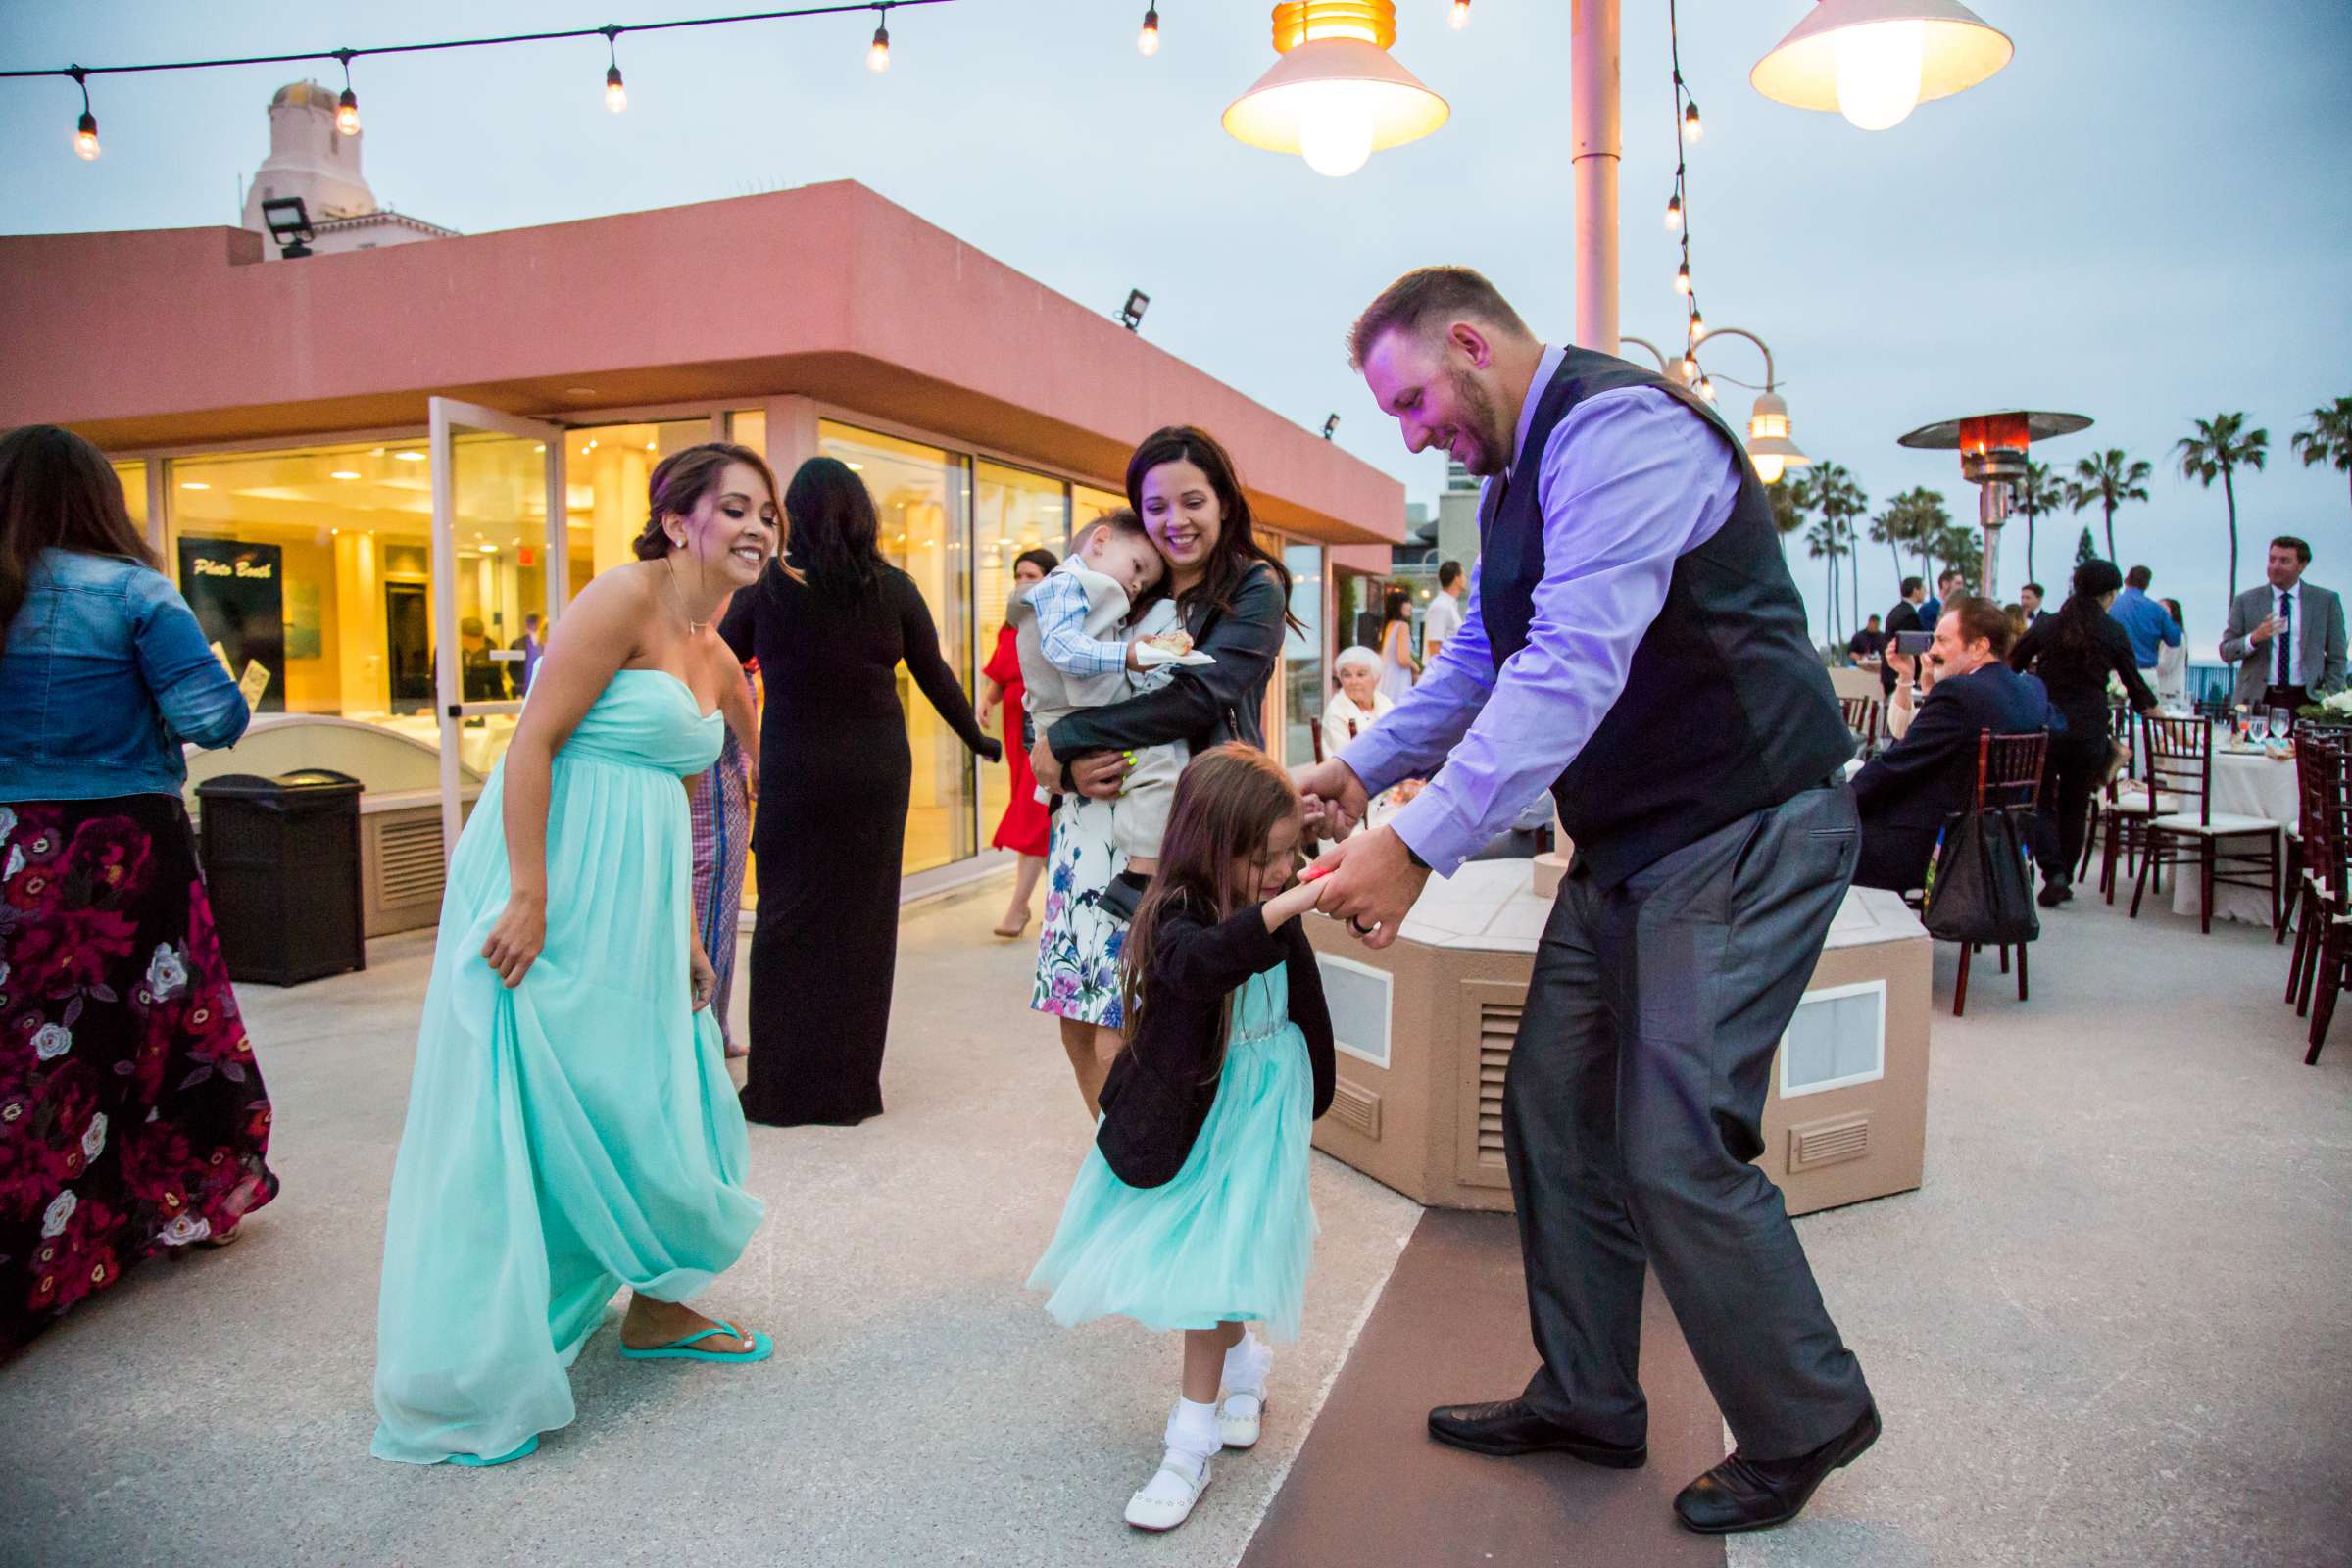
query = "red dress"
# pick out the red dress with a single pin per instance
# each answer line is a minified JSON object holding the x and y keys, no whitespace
{"x":1025,"y":827}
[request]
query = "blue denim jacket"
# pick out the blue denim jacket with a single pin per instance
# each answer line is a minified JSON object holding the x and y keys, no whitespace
{"x":104,"y":673}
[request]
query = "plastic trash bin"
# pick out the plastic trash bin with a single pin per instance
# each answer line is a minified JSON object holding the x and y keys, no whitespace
{"x":281,"y":863}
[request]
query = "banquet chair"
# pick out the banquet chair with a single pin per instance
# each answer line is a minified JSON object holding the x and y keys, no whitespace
{"x":2326,"y":933}
{"x":2008,"y":776}
{"x":1862,"y":718}
{"x":2311,"y":893}
{"x":2123,"y":809}
{"x":2228,"y":850}
{"x":1315,"y":734}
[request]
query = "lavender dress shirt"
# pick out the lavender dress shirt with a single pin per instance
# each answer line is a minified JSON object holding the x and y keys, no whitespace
{"x":1629,"y":481}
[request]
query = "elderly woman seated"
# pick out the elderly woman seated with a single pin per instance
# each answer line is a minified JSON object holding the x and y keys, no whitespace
{"x":1359,"y":703}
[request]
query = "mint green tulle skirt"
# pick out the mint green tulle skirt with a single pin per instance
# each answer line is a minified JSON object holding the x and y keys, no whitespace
{"x":1229,"y":1240}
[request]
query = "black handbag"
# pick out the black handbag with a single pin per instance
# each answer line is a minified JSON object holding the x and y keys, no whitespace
{"x":1981,"y":879}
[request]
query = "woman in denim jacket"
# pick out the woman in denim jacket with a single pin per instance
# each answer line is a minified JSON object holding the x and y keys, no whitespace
{"x":132,"y":1116}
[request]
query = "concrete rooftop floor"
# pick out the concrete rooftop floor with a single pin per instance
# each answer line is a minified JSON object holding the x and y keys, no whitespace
{"x":2113,"y":1326}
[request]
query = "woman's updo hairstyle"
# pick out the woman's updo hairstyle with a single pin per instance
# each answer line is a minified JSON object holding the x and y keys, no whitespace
{"x":681,"y":480}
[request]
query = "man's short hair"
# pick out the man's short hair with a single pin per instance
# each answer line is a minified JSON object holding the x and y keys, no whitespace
{"x":1982,"y":617}
{"x":2035,"y":589}
{"x":1450,"y":573}
{"x":1874,"y":621}
{"x":1426,"y":297}
{"x":2139,"y":577}
{"x":1912,"y":585}
{"x":1947,"y":575}
{"x":2288,"y":541}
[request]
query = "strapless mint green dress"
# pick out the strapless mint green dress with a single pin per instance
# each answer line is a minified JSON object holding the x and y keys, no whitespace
{"x":577,"y":1132}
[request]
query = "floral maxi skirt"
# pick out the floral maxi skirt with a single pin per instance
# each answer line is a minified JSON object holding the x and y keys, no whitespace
{"x":132,"y":1116}
{"x":1078,"y":952}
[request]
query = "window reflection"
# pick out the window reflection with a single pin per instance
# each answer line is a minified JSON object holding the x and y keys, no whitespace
{"x":1302,"y":693}
{"x":1012,"y":510}
{"x":605,"y":471}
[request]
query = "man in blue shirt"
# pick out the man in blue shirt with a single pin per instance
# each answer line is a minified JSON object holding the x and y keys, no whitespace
{"x":2148,"y":624}
{"x":1948,"y":582}
{"x":1635,"y":642}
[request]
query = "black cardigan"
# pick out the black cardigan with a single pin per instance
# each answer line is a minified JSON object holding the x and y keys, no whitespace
{"x":1160,"y":1088}
{"x":1203,"y":706}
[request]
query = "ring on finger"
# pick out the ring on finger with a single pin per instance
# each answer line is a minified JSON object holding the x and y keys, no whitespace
{"x":1358,"y":927}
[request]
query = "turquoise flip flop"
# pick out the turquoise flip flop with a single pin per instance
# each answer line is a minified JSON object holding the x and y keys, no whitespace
{"x":475,"y":1461}
{"x":682,"y":1349}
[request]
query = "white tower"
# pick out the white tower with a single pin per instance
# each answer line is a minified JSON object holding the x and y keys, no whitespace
{"x":308,"y":158}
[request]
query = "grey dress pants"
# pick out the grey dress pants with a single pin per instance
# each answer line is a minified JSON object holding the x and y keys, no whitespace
{"x":1632,"y":1110}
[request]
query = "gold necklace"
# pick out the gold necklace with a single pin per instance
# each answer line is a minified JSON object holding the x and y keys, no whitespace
{"x":694,"y":627}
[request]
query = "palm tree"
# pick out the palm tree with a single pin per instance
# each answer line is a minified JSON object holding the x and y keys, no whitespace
{"x":1840,"y":501}
{"x":1891,"y":528}
{"x":2329,"y":438}
{"x":1963,"y":552}
{"x":2107,"y":479}
{"x":1790,"y":502}
{"x":1924,"y":520}
{"x":1823,"y":543}
{"x":2220,"y":447}
{"x":2041,"y":493}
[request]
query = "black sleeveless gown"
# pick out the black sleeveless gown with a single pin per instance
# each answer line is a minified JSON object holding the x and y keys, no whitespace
{"x":829,"y":832}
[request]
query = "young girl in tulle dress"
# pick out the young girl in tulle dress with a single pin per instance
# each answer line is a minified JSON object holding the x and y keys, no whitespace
{"x":1191,"y":1212}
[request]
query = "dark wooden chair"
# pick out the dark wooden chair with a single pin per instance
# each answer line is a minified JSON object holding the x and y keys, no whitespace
{"x":2123,"y":810}
{"x":2322,"y":964}
{"x":1862,"y":718}
{"x":2009,"y":771}
{"x":2228,"y":850}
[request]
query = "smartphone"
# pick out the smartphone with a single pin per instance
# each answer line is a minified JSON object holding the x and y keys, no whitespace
{"x":1913,"y":643}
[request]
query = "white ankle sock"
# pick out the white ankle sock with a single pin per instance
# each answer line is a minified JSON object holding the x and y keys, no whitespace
{"x":1247,"y":1365}
{"x":1192,"y":1432}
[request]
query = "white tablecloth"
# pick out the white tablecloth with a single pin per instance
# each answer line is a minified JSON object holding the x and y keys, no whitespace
{"x":2243,"y":785}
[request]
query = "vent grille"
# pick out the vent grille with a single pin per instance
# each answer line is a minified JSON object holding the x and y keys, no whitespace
{"x":409,"y":864}
{"x":1356,"y":1108}
{"x":1497,"y":1027}
{"x":1828,"y":1142}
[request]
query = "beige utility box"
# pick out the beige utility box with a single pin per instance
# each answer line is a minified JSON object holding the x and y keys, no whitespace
{"x":1426,"y":1028}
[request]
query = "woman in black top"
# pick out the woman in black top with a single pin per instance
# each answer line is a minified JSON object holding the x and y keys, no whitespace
{"x":2074,"y":651}
{"x":835,"y":770}
{"x":1233,"y":594}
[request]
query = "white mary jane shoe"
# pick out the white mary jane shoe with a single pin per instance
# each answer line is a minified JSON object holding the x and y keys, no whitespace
{"x":1238,"y":1419}
{"x":1167,"y":1499}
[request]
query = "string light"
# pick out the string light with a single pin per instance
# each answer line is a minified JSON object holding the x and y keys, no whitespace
{"x":616,"y":96}
{"x":85,"y":129}
{"x":1146,"y":42}
{"x":1674,"y":212}
{"x":1459,"y":17}
{"x":347,"y":108}
{"x":1691,"y":128}
{"x":1698,"y":323}
{"x":1682,"y":278}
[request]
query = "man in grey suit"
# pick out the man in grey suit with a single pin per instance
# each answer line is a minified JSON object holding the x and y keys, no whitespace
{"x":2286,"y":638}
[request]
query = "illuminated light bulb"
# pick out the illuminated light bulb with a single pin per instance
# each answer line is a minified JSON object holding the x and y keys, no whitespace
{"x":1146,"y":42}
{"x":1682,"y":278}
{"x":1691,"y":129}
{"x":1689,"y":369}
{"x":1459,"y":17}
{"x":86,"y":138}
{"x":1706,"y":388}
{"x":1674,"y":213}
{"x":1879,"y":68}
{"x":1335,"y":127}
{"x":616,"y":96}
{"x":1698,"y":325}
{"x":347,"y":113}
{"x":877,"y":57}
{"x":1770,"y":467}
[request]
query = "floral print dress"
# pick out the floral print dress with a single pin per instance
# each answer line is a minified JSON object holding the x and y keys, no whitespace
{"x":1078,"y":955}
{"x":132,"y":1115}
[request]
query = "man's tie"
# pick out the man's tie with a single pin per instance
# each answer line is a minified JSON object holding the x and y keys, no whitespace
{"x":2287,"y":638}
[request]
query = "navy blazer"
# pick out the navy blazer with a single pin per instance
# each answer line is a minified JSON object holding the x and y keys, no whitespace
{"x":1160,"y":1088}
{"x":1932,"y":771}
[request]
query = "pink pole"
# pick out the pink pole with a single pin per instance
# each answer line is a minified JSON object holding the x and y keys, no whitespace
{"x":1596,"y":118}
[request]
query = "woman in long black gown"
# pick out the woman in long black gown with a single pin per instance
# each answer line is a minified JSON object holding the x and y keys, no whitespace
{"x":834,"y":768}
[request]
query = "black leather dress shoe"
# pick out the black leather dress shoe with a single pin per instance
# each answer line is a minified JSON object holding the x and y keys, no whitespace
{"x":1509,"y":1427}
{"x":1743,"y":1494}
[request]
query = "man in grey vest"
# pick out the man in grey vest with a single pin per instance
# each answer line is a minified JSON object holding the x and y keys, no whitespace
{"x":1633,"y":642}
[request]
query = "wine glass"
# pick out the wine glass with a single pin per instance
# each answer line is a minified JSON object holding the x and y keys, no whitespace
{"x":2281,"y":723}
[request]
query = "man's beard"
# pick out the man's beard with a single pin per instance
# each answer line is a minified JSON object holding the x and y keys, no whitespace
{"x":1488,"y":454}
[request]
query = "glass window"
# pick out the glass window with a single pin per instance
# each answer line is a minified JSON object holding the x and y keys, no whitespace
{"x":748,"y":427}
{"x":315,"y":564}
{"x":1302,"y":693}
{"x":1356,"y":608}
{"x":1087,"y":504}
{"x":1012,"y":510}
{"x":134,"y":492}
{"x":921,"y":503}
{"x":605,"y":474}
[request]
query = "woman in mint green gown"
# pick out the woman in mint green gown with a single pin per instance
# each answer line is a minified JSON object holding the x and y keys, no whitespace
{"x":571,"y":1126}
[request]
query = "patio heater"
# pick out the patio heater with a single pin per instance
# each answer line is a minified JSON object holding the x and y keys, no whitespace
{"x":1993,"y":458}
